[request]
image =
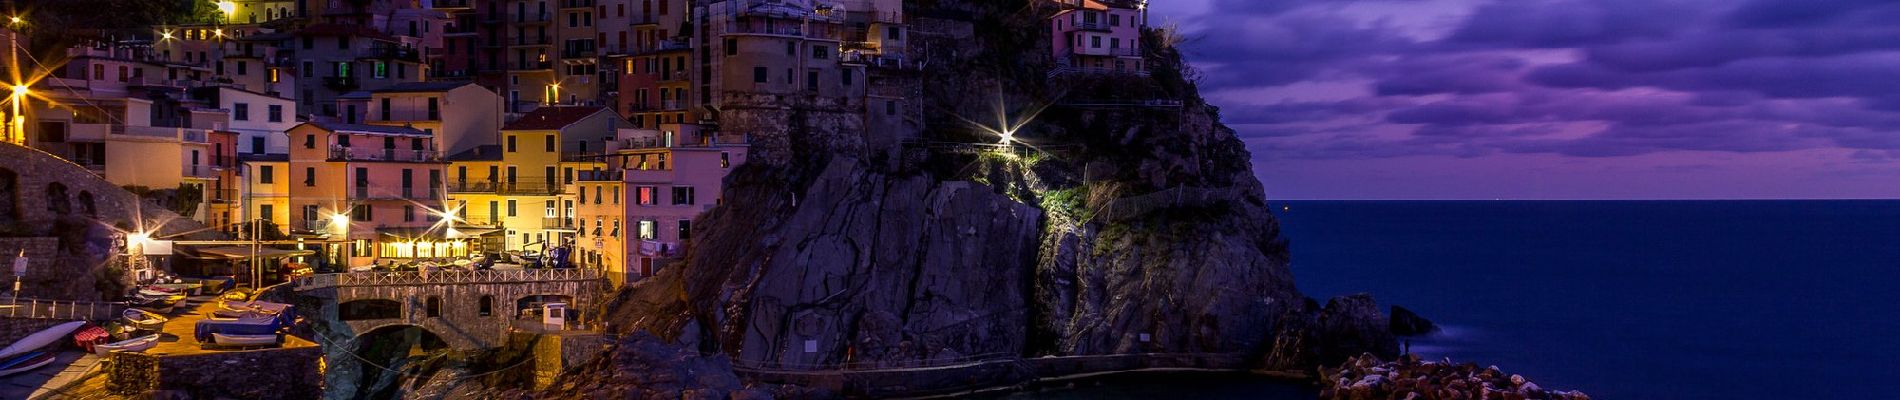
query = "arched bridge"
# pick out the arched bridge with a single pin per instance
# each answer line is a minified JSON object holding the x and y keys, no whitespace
{"x":468,"y":310}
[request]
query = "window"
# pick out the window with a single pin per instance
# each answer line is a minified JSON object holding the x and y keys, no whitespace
{"x":1114,"y":20}
{"x":309,"y":70}
{"x":241,"y":67}
{"x":820,"y":53}
{"x":265,"y":174}
{"x":309,"y":141}
{"x":433,"y":307}
{"x":309,"y":176}
{"x":241,"y":112}
{"x":486,"y":306}
{"x":343,"y":42}
{"x":265,"y":211}
{"x":682,"y":195}
{"x":511,"y":207}
{"x":343,"y":140}
{"x":732,"y":47}
{"x":511,"y":143}
{"x":616,"y":197}
{"x":435,"y":109}
{"x":276,"y":115}
{"x":549,"y":143}
{"x":257,"y":145}
{"x":341,"y":69}
{"x":645,"y":195}
{"x":685,"y":229}
{"x":361,"y":212}
{"x":597,"y":195}
{"x":548,"y":210}
{"x":791,"y":48}
{"x":725,"y":160}
{"x":385,"y":104}
{"x":649,"y":230}
{"x":890,"y":107}
{"x":811,"y":80}
{"x":408,"y":213}
{"x":758,"y":75}
{"x":847,"y":77}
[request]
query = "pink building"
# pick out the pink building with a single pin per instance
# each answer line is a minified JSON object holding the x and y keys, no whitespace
{"x":371,"y":190}
{"x":1099,"y":36}
{"x":640,"y":211}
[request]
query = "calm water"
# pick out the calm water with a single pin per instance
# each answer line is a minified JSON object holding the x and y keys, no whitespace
{"x":1631,"y":300}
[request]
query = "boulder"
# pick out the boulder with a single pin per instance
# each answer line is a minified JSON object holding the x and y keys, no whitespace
{"x":1350,"y":325}
{"x":1407,"y":323}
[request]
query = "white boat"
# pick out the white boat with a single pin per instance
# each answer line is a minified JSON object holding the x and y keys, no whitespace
{"x":25,"y":362}
{"x":134,"y":345}
{"x":40,"y":339}
{"x":144,"y":319}
{"x":243,"y":340}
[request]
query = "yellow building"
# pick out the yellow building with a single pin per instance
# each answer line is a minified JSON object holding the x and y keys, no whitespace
{"x":517,"y":186}
{"x":265,"y":192}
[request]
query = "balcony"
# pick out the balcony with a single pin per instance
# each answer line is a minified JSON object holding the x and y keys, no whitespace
{"x":1092,"y":26}
{"x":222,"y":196}
{"x":655,"y":248}
{"x":608,"y":175}
{"x":557,"y":223}
{"x":672,"y":105}
{"x":532,"y":66}
{"x":340,"y":83}
{"x":204,"y":171}
{"x":391,"y":53}
{"x":531,"y":41}
{"x":339,"y":153}
{"x":532,"y":188}
{"x":579,"y":53}
{"x":533,"y":19}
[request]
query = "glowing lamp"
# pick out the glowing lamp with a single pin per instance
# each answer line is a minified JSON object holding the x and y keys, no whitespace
{"x":19,"y":90}
{"x":227,"y":7}
{"x":339,"y":221}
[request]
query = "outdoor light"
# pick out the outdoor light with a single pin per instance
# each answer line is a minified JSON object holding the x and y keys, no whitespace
{"x":166,"y":35}
{"x":1008,"y":136}
{"x":218,"y":32}
{"x":19,"y":90}
{"x":339,"y":221}
{"x":14,"y":19}
{"x":227,"y":7}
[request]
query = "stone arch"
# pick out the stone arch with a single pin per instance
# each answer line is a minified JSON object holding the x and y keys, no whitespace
{"x":87,"y":205}
{"x":369,"y":309}
{"x":56,"y":199}
{"x":394,"y":345}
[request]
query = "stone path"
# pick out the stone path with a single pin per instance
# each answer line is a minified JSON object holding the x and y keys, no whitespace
{"x":67,"y":367}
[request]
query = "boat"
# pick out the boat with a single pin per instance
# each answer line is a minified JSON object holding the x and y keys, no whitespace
{"x":144,"y":320}
{"x":243,"y":340}
{"x":285,"y":313}
{"x":159,"y":301}
{"x":24,"y":362}
{"x":250,"y":324}
{"x":40,"y":339}
{"x":90,"y":335}
{"x":134,"y":344}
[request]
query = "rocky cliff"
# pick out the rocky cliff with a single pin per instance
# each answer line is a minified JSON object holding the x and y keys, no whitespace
{"x":1127,"y":221}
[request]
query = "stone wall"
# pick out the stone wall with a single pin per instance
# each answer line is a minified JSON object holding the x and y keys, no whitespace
{"x":253,"y":374}
{"x":12,"y":329}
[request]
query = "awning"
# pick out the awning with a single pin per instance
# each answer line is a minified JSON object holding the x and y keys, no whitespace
{"x":244,"y":252}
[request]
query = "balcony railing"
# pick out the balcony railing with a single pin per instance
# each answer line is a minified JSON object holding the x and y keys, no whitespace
{"x":655,"y":248}
{"x":340,"y":82}
{"x":339,"y":153}
{"x":419,"y":278}
{"x":200,"y":171}
{"x":672,"y":105}
{"x":531,"y":188}
{"x":392,"y":53}
{"x":606,"y":175}
{"x":532,"y":65}
{"x":556,"y":223}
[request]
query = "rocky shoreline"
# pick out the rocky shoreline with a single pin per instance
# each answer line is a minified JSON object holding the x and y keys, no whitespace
{"x":1367,"y":377}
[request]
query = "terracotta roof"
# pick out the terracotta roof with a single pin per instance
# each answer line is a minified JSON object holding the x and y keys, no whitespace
{"x":486,"y":152}
{"x":555,"y":117}
{"x":422,"y":87}
{"x":370,"y":129}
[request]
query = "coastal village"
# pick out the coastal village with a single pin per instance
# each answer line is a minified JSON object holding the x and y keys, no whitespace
{"x":386,"y":156}
{"x":346,"y":198}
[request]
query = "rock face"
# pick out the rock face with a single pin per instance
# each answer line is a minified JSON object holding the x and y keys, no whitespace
{"x":642,"y":366}
{"x":1407,"y":323}
{"x":871,"y":268}
{"x":1137,"y":230}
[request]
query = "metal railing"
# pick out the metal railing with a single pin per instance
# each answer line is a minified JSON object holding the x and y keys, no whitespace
{"x":444,"y":278}
{"x":547,"y":223}
{"x":532,"y":188}
{"x":606,"y":175}
{"x":64,"y":309}
{"x":393,"y":53}
{"x":339,"y":153}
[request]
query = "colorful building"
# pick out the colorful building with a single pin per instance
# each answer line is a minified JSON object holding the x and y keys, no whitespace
{"x":372,"y":192}
{"x":459,"y":115}
{"x":517,"y":185}
{"x":638,"y":212}
{"x":1099,"y":36}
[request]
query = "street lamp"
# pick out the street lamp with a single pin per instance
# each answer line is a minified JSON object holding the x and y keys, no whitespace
{"x":16,"y":129}
{"x":228,"y":8}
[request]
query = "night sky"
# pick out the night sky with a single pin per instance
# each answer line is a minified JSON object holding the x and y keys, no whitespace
{"x":1571,"y":99}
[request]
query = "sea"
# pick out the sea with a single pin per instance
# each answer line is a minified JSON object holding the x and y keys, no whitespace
{"x":1630,"y":299}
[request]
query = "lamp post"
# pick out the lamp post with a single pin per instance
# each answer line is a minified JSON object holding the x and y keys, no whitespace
{"x":16,"y":126}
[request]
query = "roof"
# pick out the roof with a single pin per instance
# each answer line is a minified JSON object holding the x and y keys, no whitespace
{"x":422,"y":87}
{"x":343,"y":30}
{"x":554,"y":117}
{"x":368,"y":129}
{"x":486,"y":152}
